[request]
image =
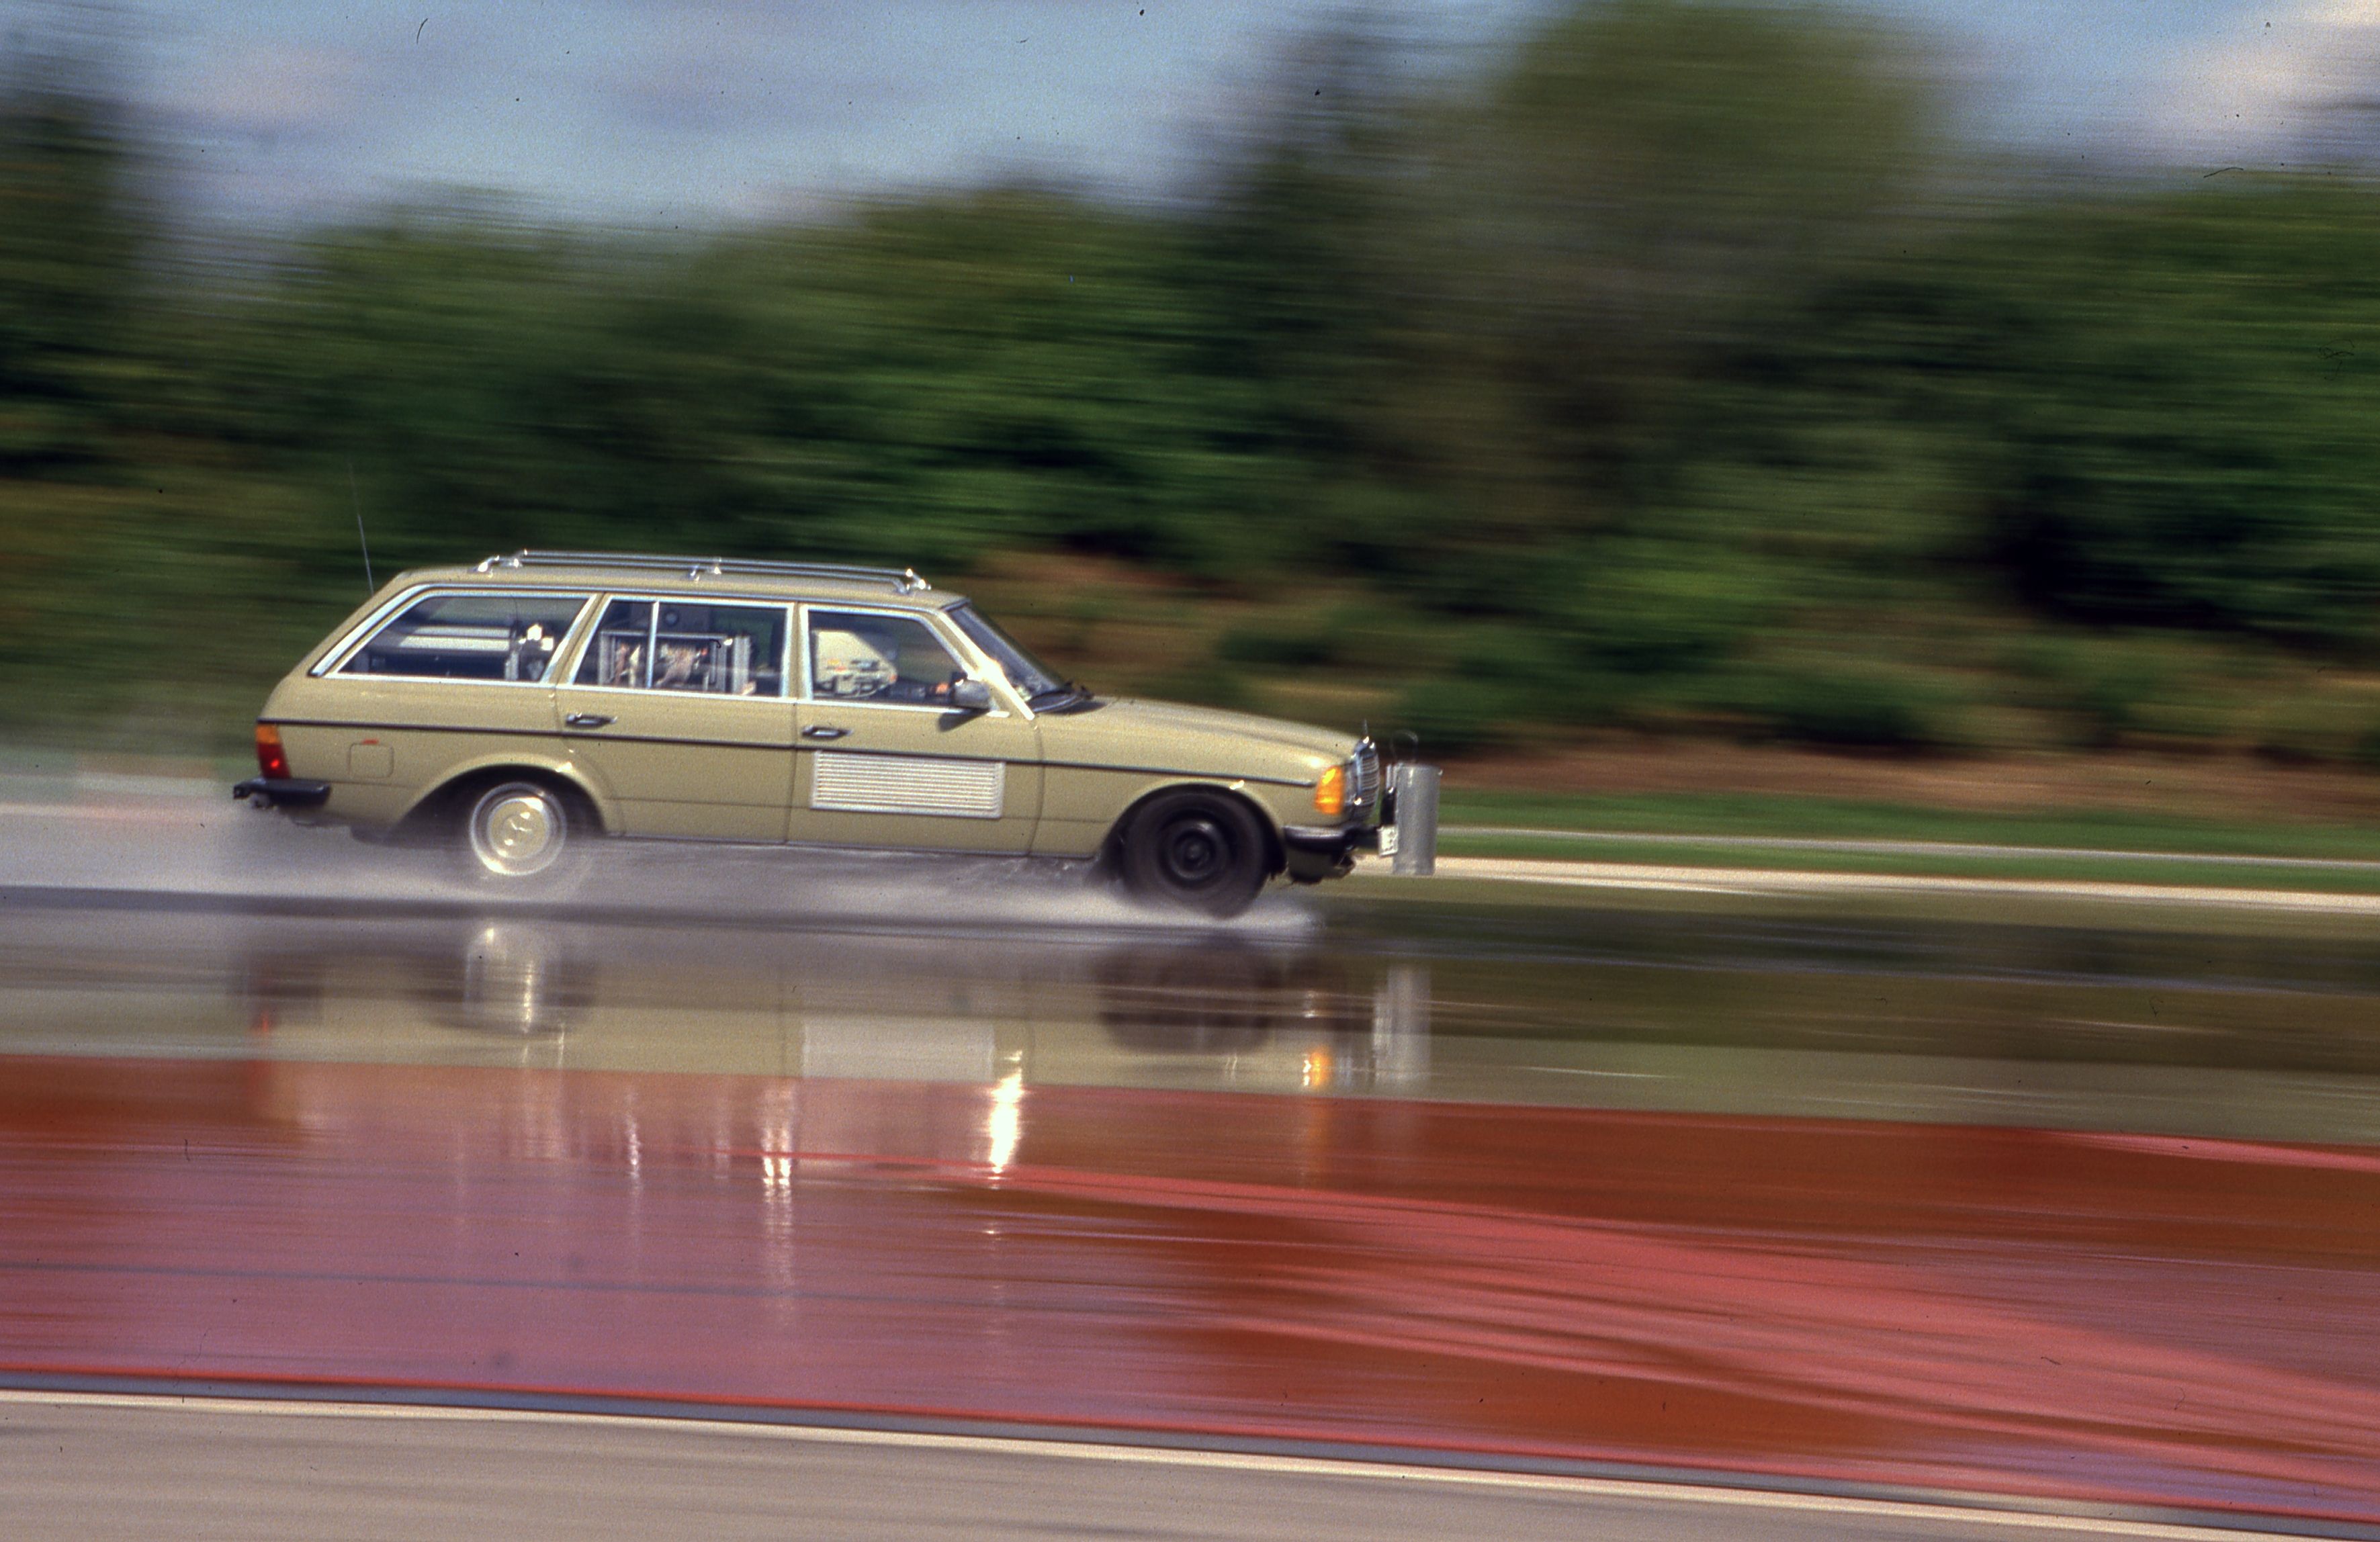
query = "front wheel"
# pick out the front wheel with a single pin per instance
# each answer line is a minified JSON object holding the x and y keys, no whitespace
{"x":515,"y":831}
{"x":1194,"y":851}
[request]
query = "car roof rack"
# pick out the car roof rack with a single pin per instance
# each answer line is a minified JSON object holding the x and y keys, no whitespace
{"x":905,"y":580}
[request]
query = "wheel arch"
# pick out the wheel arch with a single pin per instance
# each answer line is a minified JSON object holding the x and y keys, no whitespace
{"x":442,"y":800}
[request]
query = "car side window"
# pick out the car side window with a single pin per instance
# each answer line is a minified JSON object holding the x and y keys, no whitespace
{"x":858,"y":657}
{"x":677,"y":645}
{"x":470,"y":636}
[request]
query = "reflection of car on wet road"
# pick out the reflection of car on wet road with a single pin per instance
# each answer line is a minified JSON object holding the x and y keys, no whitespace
{"x":1137,"y":1009}
{"x":525,"y":703}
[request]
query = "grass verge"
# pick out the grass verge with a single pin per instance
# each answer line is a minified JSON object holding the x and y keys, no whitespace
{"x":1718,"y":824}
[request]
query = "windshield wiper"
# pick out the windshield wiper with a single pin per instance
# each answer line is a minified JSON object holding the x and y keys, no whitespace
{"x":1058,"y":698}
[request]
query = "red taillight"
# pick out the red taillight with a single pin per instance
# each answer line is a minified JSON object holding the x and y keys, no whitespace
{"x":271,"y":760}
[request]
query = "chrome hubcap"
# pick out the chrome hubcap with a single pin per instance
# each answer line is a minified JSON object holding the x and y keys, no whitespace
{"x":517,"y":830}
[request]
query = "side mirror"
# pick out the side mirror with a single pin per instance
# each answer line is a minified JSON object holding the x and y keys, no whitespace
{"x":970,"y":696}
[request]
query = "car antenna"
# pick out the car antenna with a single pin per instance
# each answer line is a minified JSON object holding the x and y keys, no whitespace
{"x":359,"y":505}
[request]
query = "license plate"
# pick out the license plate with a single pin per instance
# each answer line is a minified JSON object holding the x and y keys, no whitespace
{"x":1388,"y":840}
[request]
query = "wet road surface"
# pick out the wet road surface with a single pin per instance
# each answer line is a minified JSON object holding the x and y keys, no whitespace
{"x":1854,"y":1206}
{"x":2102,"y":1317}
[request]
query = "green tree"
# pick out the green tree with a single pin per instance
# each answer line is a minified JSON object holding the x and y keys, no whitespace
{"x":2177,"y":395}
{"x":72,"y":228}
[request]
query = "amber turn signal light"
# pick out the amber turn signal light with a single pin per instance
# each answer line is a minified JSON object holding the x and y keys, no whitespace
{"x":271,"y":760}
{"x":1331,"y":792}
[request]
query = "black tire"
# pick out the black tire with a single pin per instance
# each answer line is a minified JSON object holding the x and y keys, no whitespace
{"x":521,"y":836}
{"x":1194,"y":851}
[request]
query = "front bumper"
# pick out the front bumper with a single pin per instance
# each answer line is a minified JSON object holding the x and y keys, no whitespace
{"x":1313,"y":853}
{"x":1407,"y":831}
{"x":283,"y":792}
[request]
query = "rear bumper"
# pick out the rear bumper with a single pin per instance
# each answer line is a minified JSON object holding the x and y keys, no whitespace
{"x":283,"y":792}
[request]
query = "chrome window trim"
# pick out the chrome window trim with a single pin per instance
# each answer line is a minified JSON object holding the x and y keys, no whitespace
{"x":607,"y":597}
{"x":353,"y":638}
{"x":365,"y":630}
{"x":979,"y":667}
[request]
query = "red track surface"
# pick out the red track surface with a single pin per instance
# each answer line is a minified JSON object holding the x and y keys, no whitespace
{"x":2097,"y":1316}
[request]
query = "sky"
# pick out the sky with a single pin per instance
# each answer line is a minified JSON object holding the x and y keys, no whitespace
{"x":688,"y":112}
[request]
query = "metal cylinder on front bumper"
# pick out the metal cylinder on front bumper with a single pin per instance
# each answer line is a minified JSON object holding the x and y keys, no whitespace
{"x":1412,"y":790}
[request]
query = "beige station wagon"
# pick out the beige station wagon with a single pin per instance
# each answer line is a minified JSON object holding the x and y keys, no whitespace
{"x":520,"y":706}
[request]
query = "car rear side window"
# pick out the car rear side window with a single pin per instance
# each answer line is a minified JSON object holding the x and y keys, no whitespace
{"x":471,"y":636}
{"x":683,"y":645}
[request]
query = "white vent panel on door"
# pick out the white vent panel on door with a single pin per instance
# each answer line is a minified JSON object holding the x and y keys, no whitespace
{"x":844,"y":783}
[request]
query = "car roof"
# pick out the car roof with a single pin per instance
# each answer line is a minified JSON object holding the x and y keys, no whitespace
{"x":639,"y":572}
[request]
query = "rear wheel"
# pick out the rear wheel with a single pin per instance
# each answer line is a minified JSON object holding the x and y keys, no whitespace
{"x":1194,"y":851}
{"x":522,"y":834}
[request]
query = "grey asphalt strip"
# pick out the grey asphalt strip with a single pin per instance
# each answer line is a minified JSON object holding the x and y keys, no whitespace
{"x":107,"y":1467}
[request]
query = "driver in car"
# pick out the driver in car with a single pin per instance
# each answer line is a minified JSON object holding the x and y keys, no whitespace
{"x":858,"y":666}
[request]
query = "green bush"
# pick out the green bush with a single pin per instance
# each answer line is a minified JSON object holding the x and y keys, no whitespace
{"x":1455,"y":715}
{"x":2320,"y":728}
{"x":1850,"y":707}
{"x":1654,"y":608}
{"x":1206,"y":684}
{"x":1276,"y":648}
{"x":2171,"y":399}
{"x":2104,"y":689}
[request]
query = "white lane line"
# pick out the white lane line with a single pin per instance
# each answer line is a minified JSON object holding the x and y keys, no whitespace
{"x":1583,"y":1071}
{"x":1632,"y":875}
{"x":1907,"y":848}
{"x":1155,"y":1456}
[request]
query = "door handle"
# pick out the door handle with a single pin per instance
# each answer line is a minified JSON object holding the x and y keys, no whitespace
{"x":822,"y":731}
{"x":586,"y":720}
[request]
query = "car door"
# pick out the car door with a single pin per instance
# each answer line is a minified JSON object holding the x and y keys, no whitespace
{"x":887,"y":760}
{"x":680,"y":711}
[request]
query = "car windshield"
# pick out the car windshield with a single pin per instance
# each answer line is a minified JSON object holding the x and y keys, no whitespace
{"x":1033,"y":681}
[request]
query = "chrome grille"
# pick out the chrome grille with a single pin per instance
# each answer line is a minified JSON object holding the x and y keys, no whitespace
{"x":1364,"y":775}
{"x":907,"y":784}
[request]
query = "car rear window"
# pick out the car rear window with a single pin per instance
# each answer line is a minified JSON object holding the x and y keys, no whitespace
{"x":471,"y":636}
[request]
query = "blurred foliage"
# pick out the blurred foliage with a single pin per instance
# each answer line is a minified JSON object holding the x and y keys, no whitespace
{"x":70,"y":250}
{"x":1857,"y":707}
{"x":2168,"y":401}
{"x":1672,"y":372}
